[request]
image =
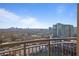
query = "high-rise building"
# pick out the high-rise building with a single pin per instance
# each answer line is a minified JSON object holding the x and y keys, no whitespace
{"x":68,"y":30}
{"x":63,"y":30}
{"x":75,"y":32}
{"x":58,"y":30}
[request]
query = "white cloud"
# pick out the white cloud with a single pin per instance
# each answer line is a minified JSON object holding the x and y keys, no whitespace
{"x":31,"y":22}
{"x":5,"y":15}
{"x":10,"y":19}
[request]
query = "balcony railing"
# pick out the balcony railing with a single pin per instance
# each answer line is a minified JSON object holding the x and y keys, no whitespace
{"x":41,"y":47}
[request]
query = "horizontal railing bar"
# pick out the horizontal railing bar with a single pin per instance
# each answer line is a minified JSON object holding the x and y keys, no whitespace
{"x":22,"y":42}
{"x":63,"y":43}
{"x":6,"y":51}
{"x":32,"y":41}
{"x":21,"y":48}
{"x":64,"y":38}
{"x":30,"y":47}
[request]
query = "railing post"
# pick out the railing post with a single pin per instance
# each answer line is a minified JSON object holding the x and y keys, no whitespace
{"x":49,"y":48}
{"x":24,"y":49}
{"x":62,"y":49}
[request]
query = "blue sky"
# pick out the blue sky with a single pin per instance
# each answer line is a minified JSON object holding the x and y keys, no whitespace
{"x":34,"y":15}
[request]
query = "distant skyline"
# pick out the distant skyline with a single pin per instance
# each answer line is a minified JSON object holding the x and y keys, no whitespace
{"x":37,"y":15}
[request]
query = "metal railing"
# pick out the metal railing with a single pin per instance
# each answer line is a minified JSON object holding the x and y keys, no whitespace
{"x":41,"y":47}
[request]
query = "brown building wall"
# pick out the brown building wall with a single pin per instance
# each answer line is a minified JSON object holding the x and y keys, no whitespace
{"x":78,"y":29}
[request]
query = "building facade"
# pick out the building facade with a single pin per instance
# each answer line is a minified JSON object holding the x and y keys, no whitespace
{"x":63,"y":30}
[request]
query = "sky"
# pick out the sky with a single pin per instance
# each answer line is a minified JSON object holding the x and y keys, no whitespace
{"x":37,"y":15}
